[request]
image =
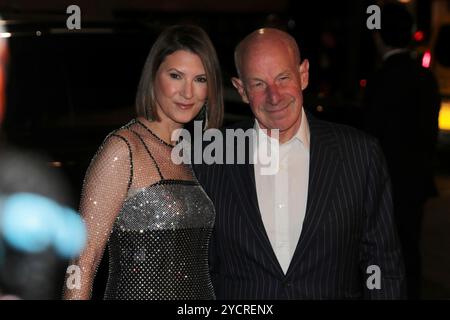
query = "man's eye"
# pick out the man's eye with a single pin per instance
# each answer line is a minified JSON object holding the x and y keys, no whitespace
{"x":174,"y":76}
{"x":201,"y":79}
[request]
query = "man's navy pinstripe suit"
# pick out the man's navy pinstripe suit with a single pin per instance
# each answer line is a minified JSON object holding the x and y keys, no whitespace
{"x":348,"y":225}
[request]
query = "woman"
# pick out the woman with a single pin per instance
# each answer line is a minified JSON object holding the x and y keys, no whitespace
{"x":155,"y":214}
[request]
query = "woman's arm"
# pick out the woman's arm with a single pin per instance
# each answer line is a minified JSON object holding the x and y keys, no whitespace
{"x":104,"y":190}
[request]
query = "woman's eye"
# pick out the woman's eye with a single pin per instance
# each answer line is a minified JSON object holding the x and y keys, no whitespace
{"x":201,"y":79}
{"x":174,"y":76}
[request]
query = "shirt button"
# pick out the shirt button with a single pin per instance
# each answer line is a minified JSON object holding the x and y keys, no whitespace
{"x":282,"y":244}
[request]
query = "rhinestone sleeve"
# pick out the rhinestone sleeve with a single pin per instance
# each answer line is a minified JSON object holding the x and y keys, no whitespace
{"x":104,"y":190}
{"x":155,"y":217}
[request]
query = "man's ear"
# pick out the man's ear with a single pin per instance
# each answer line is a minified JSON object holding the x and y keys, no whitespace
{"x":237,"y":83}
{"x":303,"y":70}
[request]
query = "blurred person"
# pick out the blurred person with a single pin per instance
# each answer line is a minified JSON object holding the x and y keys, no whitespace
{"x":37,"y":232}
{"x":3,"y":68}
{"x":37,"y":237}
{"x":3,"y":63}
{"x":402,"y":109}
{"x":152,"y":213}
{"x":317,"y":227}
{"x":30,"y":276}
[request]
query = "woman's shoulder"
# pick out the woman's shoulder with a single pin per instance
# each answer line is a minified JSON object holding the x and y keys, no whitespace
{"x":125,"y":133}
{"x":121,"y":141}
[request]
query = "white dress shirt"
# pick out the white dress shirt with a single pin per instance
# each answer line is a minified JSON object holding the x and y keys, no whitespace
{"x":282,"y":196}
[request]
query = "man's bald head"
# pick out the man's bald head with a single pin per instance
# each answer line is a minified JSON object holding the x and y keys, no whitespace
{"x":259,"y":39}
{"x":272,"y":79}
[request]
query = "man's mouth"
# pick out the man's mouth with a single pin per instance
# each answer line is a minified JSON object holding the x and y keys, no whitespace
{"x":278,"y":109}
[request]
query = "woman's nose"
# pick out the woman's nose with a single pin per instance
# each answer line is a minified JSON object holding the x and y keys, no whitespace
{"x":187,"y":90}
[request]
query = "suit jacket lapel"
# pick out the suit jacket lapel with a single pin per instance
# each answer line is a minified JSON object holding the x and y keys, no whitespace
{"x":324,"y":162}
{"x":242,"y":177}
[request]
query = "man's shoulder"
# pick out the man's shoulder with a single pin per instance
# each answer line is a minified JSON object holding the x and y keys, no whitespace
{"x":357,"y":149}
{"x":335,"y":128}
{"x":343,"y":135}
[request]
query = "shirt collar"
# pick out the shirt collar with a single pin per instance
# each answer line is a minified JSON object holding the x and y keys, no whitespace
{"x":302,"y":134}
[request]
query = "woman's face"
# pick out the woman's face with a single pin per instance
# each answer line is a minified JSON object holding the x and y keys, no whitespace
{"x":180,"y":87}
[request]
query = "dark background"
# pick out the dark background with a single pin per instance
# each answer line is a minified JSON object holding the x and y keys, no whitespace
{"x":67,"y":89}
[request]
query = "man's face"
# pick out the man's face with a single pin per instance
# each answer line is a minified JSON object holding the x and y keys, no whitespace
{"x":272,"y":83}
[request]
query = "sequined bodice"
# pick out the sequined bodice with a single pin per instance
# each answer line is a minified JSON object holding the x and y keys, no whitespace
{"x":153,"y":216}
{"x":159,"y":244}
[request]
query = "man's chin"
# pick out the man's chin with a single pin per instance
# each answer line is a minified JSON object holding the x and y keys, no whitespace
{"x":285,"y":126}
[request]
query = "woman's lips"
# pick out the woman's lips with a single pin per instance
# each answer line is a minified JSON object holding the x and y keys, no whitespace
{"x":185,"y":106}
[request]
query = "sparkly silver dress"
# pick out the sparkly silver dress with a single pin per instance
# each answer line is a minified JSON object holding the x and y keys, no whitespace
{"x":155,"y":217}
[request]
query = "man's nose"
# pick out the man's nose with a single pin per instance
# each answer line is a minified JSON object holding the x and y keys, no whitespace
{"x":187,"y":91}
{"x":274,"y":94}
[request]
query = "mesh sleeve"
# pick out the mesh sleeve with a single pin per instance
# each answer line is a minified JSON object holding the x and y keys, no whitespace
{"x":106,"y":184}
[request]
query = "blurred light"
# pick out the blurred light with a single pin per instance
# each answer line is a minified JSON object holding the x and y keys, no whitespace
{"x":5,"y":35}
{"x":426,"y":59}
{"x":444,"y":116}
{"x":319,"y":108}
{"x":82,"y":30}
{"x":55,"y":164}
{"x":418,"y":35}
{"x":38,"y":33}
{"x":404,"y":1}
{"x":363,"y":83}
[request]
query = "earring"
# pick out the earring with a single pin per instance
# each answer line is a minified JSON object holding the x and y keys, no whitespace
{"x":203,"y":116}
{"x":149,"y":114}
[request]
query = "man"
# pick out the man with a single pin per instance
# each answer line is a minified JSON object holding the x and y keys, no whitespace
{"x":402,"y":104}
{"x":319,"y":226}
